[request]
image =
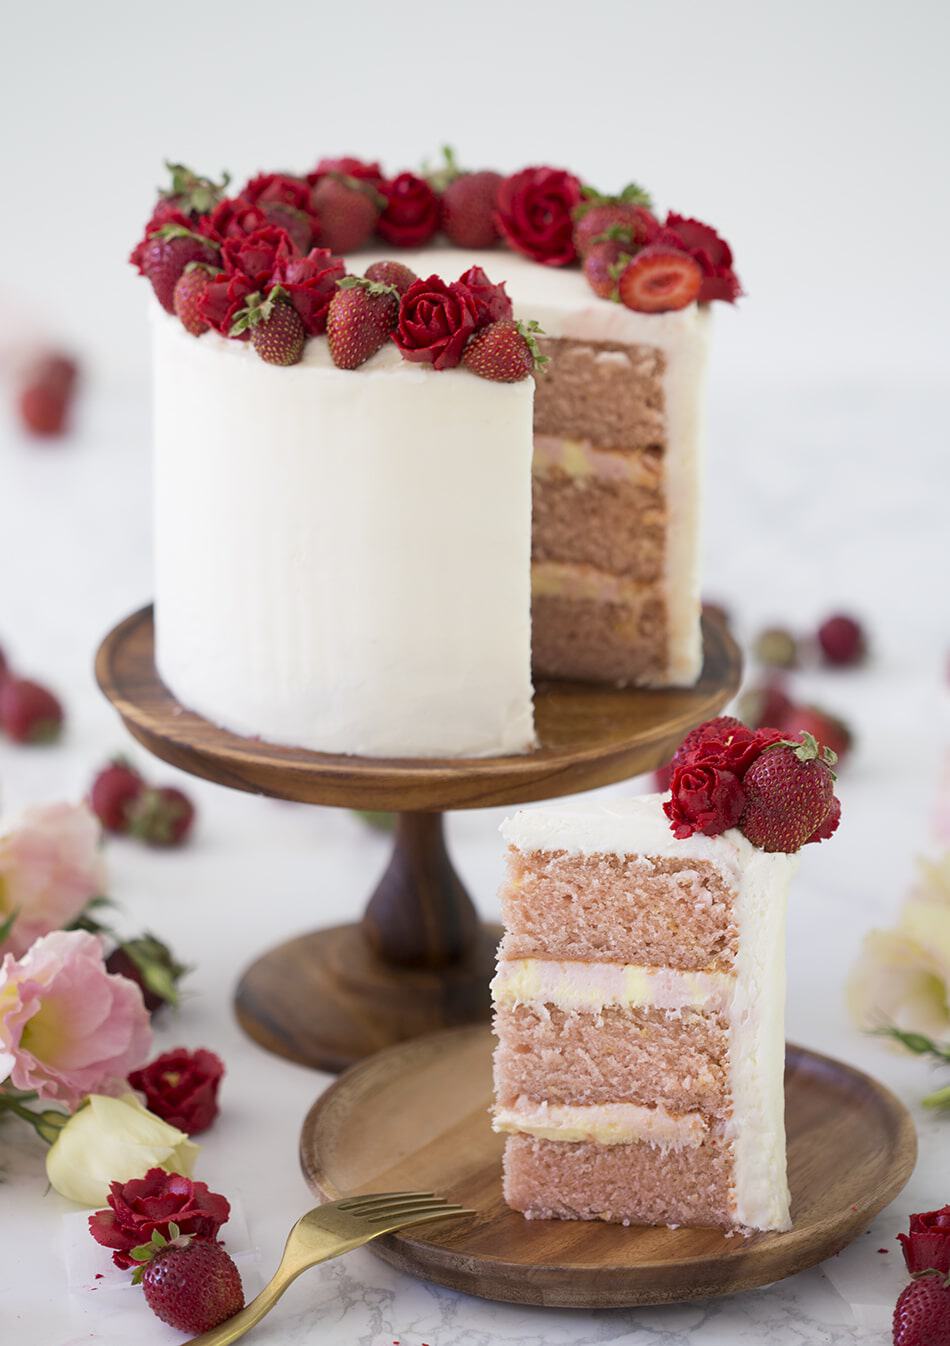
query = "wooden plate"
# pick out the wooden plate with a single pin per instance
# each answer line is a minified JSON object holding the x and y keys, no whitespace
{"x":415,"y":1116}
{"x":589,"y":736}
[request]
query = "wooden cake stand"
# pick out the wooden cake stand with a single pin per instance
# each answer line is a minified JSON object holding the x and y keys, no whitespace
{"x":419,"y":959}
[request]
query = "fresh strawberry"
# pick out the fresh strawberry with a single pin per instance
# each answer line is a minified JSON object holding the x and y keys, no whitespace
{"x":189,"y":288}
{"x":660,"y":278}
{"x":768,"y":703}
{"x":28,"y":712}
{"x":842,"y":641}
{"x":165,"y":255}
{"x":922,"y":1312}
{"x":391,"y":273}
{"x":296,"y":223}
{"x":604,"y":263}
{"x":468,"y":203}
{"x":789,"y":793}
{"x":361,"y":317}
{"x":152,"y":966}
{"x":46,"y":391}
{"x":627,"y":218}
{"x":190,"y":1283}
{"x":162,"y":816}
{"x":829,"y":824}
{"x":776,"y":647}
{"x":505,"y":352}
{"x":277,"y":332}
{"x":114,"y":791}
{"x":348,"y":209}
{"x":826,"y":728}
{"x":190,"y":193}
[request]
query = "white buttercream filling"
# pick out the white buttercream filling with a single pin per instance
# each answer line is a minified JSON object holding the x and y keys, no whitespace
{"x":598,"y":986}
{"x":604,"y":1123}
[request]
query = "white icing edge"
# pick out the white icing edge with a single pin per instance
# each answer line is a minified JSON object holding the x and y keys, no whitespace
{"x":604,"y":1123}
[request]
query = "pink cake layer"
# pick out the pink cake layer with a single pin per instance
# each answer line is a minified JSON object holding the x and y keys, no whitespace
{"x":619,"y":1055}
{"x":590,"y":641}
{"x":625,"y":909}
{"x":609,"y":394}
{"x":622,"y":1184}
{"x":615,"y":526}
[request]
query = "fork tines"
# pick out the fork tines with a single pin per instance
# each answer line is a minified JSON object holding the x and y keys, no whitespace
{"x":389,"y":1206}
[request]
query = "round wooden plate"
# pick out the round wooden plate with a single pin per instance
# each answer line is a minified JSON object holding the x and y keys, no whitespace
{"x":416,"y":1117}
{"x":589,"y":736}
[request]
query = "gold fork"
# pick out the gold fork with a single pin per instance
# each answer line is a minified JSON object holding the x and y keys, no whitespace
{"x":327,"y":1232}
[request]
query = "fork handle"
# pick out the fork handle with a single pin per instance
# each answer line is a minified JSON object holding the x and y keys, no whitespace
{"x":252,"y":1313}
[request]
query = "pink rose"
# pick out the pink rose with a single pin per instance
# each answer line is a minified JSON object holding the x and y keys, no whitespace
{"x":50,"y":867}
{"x":68,"y":1027}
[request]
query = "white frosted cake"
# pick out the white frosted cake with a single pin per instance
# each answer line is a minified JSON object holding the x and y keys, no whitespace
{"x":370,"y":554}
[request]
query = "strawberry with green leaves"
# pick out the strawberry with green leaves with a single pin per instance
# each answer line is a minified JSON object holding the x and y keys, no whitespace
{"x":166,"y":252}
{"x":790,"y":795}
{"x":506,"y":351}
{"x":277,"y":332}
{"x":189,"y":289}
{"x":363,"y":314}
{"x":627,"y":217}
{"x":190,"y":1283}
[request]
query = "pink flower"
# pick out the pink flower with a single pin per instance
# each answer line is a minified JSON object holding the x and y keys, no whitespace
{"x":68,"y":1027}
{"x":50,"y":867}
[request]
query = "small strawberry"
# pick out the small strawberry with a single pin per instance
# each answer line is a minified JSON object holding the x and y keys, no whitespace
{"x":190,"y":193}
{"x":190,"y":1283}
{"x":348,"y":209}
{"x":628,"y":214}
{"x":162,"y":816}
{"x":189,"y":288}
{"x":826,"y":728}
{"x":115,"y":789}
{"x":152,"y":966}
{"x":46,"y":391}
{"x":165,"y":255}
{"x":776,"y":647}
{"x":604,"y":263}
{"x":468,"y":202}
{"x":28,"y":712}
{"x":505,"y":351}
{"x":361,"y":316}
{"x":842,"y":641}
{"x":277,"y":333}
{"x":789,"y":793}
{"x":391,"y":273}
{"x":660,"y":278}
{"x":922,"y":1312}
{"x":768,"y":703}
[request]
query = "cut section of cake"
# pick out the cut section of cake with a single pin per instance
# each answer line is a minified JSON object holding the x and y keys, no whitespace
{"x":639,"y":1009}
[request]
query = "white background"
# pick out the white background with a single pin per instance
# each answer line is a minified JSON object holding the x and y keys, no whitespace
{"x":812,"y":135}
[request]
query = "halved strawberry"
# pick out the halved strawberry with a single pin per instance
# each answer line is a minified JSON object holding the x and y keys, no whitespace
{"x":660,"y":278}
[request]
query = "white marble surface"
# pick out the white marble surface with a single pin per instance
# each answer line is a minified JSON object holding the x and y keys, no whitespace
{"x":819,"y":496}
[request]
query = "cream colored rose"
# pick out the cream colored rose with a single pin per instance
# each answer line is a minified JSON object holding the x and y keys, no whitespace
{"x":113,"y":1140}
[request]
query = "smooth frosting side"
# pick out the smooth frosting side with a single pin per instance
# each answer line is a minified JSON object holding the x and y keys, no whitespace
{"x":343,"y":557}
{"x":604,"y":1123}
{"x":597,"y":986}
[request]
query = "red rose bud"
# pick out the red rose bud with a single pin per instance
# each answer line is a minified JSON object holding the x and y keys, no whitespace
{"x":152,"y":966}
{"x":535,"y":214}
{"x":719,"y":728}
{"x":927,"y":1246}
{"x":492,"y":300}
{"x":181,"y":1087}
{"x":28,"y":712}
{"x":662,"y":777}
{"x":411,"y":214}
{"x":703,"y":799}
{"x":138,"y":1207}
{"x":277,"y":187}
{"x":236,"y":217}
{"x":435,"y":322}
{"x":734,"y":750}
{"x":310,"y":283}
{"x":711,"y":252}
{"x":162,"y":817}
{"x":842,"y":641}
{"x":114,"y":791}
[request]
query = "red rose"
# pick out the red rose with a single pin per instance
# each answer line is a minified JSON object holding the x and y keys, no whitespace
{"x":734,"y":750}
{"x":927,"y":1246}
{"x":248,"y":265}
{"x":310,"y":282}
{"x":236,"y":217}
{"x":535,"y":214}
{"x":704,"y":799}
{"x":492,"y":300}
{"x":350,"y":168}
{"x":140,"y":1206}
{"x":412,"y":211}
{"x":435,"y":322}
{"x":711,"y":252}
{"x":277,"y":187}
{"x":181,"y":1087}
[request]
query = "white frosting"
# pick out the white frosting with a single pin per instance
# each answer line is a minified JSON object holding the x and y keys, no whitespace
{"x":597,"y":986}
{"x":561,"y":300}
{"x":343,"y":557}
{"x":757,"y":1006}
{"x":605,"y":1123}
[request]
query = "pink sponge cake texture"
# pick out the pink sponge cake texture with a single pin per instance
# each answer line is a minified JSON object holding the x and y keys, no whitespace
{"x":639,"y":1011}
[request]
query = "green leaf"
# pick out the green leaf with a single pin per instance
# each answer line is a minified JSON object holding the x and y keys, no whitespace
{"x":918,"y":1043}
{"x":174,"y":1231}
{"x":143,"y":1253}
{"x":7,"y":925}
{"x":940,"y":1098}
{"x":634,"y":195}
{"x":374,"y":287}
{"x":531,"y":331}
